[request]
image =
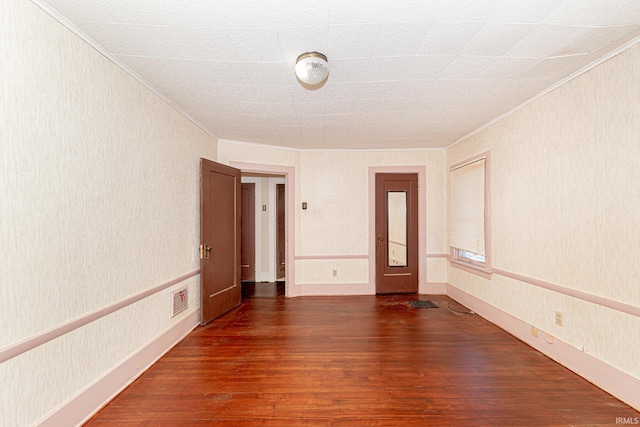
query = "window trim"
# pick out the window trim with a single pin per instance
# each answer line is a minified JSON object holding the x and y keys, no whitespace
{"x":455,"y":260}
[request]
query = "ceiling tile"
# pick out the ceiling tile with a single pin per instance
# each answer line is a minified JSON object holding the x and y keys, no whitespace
{"x":314,"y":110}
{"x":524,"y":11}
{"x":468,"y":67}
{"x":400,"y":39}
{"x":356,"y":11}
{"x":160,"y":12}
{"x":468,"y":10}
{"x":341,"y":107}
{"x":272,"y":93}
{"x":295,"y":13}
{"x":345,"y":41}
{"x":595,"y":39}
{"x":450,"y":38}
{"x":627,"y":13}
{"x":302,"y":95}
{"x":269,"y":109}
{"x":585,"y":13}
{"x":162,"y":41}
{"x":82,"y":10}
{"x":511,"y":68}
{"x":175,"y":77}
{"x":379,"y":105}
{"x":225,"y":14}
{"x":496,"y":39}
{"x":270,"y":74}
{"x":413,"y":11}
{"x":256,"y":44}
{"x":410,"y":68}
{"x":545,"y":40}
{"x":354,"y":91}
{"x":283,"y":120}
{"x":339,"y":119}
{"x":289,"y":133}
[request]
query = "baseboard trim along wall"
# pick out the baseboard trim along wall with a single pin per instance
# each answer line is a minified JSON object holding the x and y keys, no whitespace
{"x":344,"y":289}
{"x":305,"y":257}
{"x":85,"y":404}
{"x":334,"y":289}
{"x":615,"y":382}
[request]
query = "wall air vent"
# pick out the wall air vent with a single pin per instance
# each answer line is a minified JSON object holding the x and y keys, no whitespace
{"x":179,"y":301}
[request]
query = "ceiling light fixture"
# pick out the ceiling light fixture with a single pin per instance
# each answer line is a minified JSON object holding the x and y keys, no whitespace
{"x":312,"y":68}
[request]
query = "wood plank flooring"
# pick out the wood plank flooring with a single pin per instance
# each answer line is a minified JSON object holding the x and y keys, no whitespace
{"x":356,"y":361}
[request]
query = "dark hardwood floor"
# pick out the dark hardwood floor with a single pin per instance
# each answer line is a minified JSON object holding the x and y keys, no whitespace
{"x":356,"y":361}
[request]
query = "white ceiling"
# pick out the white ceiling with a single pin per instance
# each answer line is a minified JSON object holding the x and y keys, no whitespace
{"x":404,"y":73}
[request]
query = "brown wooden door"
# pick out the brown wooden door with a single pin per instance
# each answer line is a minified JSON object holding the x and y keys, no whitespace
{"x":396,"y":233}
{"x":248,"y":245}
{"x":220,"y":198}
{"x":280,"y":239}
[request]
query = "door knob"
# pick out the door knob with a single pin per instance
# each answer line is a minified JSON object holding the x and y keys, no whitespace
{"x":380,"y":239}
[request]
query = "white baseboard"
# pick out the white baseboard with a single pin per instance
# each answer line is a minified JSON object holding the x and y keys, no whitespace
{"x":334,"y":289}
{"x":84,"y":405}
{"x":348,"y":289}
{"x":615,"y":382}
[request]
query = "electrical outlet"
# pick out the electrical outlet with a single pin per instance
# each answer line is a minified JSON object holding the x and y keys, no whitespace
{"x":334,"y":273}
{"x":559,"y":318}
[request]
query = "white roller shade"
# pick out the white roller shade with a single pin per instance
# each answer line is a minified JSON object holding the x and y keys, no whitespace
{"x":466,"y":224}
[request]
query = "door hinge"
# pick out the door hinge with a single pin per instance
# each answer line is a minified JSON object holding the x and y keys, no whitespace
{"x":201,"y":251}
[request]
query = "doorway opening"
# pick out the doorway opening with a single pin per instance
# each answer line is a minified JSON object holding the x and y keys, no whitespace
{"x":288,"y":174}
{"x":264,"y":214}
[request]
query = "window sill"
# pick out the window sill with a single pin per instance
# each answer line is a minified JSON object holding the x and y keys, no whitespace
{"x":470,"y":268}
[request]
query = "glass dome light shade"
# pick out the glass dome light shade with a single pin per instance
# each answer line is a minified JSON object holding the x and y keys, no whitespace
{"x":312,"y":68}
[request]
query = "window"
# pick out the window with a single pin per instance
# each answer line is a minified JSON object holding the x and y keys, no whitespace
{"x":471,"y":257}
{"x":469,"y":215}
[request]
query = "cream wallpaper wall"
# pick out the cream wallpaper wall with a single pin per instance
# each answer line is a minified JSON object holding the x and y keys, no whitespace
{"x":100,"y":201}
{"x":565,"y":210}
{"x":335,"y":225}
{"x":335,"y":186}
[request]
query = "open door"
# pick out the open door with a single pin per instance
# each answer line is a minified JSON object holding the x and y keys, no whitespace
{"x":280,"y":238}
{"x":248,"y":243}
{"x":220,"y":204}
{"x":396,"y":233}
